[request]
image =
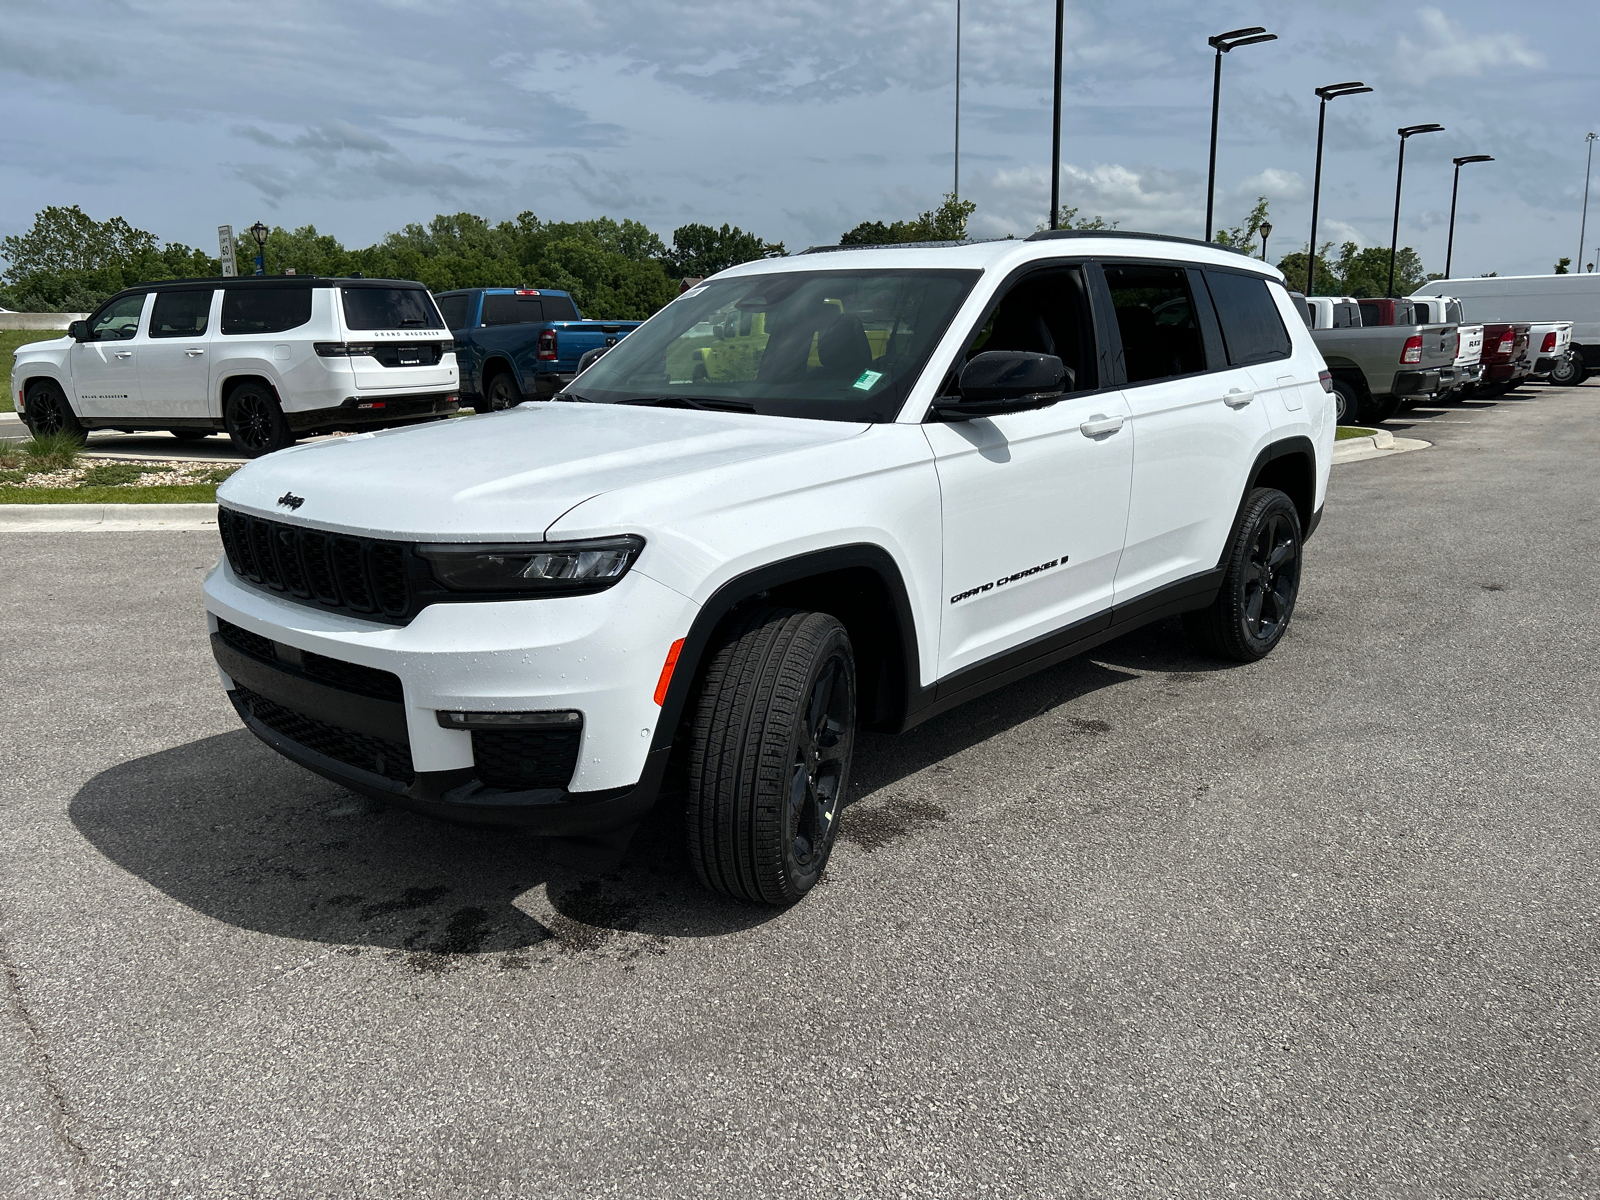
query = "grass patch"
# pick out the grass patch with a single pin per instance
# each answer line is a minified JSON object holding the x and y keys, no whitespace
{"x":196,"y":493}
{"x":112,"y":474}
{"x":1344,"y":433}
{"x":10,"y":339}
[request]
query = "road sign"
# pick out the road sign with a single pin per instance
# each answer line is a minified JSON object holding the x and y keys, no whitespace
{"x":225,"y":244}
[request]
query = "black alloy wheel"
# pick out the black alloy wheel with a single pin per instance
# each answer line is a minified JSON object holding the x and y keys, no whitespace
{"x":255,"y":421}
{"x":502,"y":392}
{"x":1260,"y":583}
{"x":769,"y":743}
{"x":49,"y":413}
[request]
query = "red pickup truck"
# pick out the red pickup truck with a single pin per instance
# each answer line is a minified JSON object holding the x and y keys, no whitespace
{"x":1505,"y":357}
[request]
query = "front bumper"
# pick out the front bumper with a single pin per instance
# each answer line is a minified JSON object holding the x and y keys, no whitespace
{"x":599,"y":655}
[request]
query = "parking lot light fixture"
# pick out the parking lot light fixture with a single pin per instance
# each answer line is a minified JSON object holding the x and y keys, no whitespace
{"x":1266,"y":232}
{"x":1332,"y":92}
{"x":1450,"y":243}
{"x":1583,"y":226}
{"x":260,"y":232}
{"x":1405,"y":132}
{"x":1222,"y":43}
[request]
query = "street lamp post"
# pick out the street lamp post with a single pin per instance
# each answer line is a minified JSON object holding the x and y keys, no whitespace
{"x":1450,"y":245}
{"x":1055,"y":135}
{"x":1222,"y":43}
{"x":1266,"y":232}
{"x":1332,"y":92}
{"x":955,"y":184}
{"x":1583,"y":228}
{"x":260,"y":232}
{"x":1399,"y":176}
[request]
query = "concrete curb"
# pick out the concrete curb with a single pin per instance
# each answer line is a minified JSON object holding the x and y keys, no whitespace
{"x":105,"y":518}
{"x":1380,"y":444}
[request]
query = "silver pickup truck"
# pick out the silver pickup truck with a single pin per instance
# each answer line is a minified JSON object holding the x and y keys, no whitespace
{"x":1376,"y":367}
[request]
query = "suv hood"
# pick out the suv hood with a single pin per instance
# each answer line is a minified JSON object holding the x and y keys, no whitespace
{"x":505,"y":475}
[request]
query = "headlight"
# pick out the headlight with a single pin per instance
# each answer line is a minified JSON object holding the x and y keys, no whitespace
{"x":533,"y":566}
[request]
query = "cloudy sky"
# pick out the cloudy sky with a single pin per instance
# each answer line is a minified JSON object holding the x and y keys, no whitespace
{"x":796,"y":120}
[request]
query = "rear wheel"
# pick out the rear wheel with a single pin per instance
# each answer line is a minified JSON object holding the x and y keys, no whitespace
{"x":255,"y":420}
{"x":1378,"y":409}
{"x":771,"y":741}
{"x":500,"y":392}
{"x":49,"y":413}
{"x":1568,"y":372}
{"x":1260,"y":582}
{"x":1346,"y":402}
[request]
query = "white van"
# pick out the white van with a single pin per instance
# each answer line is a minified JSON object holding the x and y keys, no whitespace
{"x":267,"y":359}
{"x":1533,"y":298}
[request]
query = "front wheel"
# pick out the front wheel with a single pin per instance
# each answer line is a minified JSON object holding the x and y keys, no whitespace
{"x":1261,"y":579}
{"x":49,"y":413}
{"x":771,"y":740}
{"x":255,"y":420}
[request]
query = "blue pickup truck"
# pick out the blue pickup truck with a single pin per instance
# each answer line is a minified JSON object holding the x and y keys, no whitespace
{"x":513,"y":344}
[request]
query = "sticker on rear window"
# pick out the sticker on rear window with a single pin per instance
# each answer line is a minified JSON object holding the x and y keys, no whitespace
{"x":867,"y":380}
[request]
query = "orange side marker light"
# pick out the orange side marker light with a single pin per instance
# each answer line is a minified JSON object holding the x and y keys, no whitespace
{"x":666,"y":672}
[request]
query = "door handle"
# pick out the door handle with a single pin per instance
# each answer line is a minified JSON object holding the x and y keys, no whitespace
{"x":193,"y":353}
{"x":123,"y":353}
{"x":1238,"y":399}
{"x":1100,"y":424}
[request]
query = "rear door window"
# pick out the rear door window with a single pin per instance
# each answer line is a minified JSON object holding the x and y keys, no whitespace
{"x":1252,"y":327}
{"x":513,"y":310}
{"x":1157,"y":319}
{"x":453,"y":309}
{"x":180,"y":314}
{"x":390,"y":308}
{"x":265,"y":310}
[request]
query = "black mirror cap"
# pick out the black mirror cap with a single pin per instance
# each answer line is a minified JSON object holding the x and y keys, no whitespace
{"x":1002,"y":375}
{"x":78,"y":331}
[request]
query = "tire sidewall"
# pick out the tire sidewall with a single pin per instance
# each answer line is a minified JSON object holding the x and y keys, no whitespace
{"x":279,"y":437}
{"x":1351,"y":403}
{"x":800,"y":880}
{"x":1260,"y":509}
{"x":502,"y":392}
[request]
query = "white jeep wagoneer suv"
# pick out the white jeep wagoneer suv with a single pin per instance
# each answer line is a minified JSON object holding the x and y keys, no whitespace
{"x":268,"y":359}
{"x":846,"y":490}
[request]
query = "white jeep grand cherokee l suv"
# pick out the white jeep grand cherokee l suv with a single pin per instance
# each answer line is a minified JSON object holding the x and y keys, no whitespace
{"x":812,"y":495}
{"x":267,"y":359}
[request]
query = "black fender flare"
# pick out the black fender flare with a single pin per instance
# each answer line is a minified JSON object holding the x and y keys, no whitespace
{"x":775,"y":575}
{"x":1284,"y":448}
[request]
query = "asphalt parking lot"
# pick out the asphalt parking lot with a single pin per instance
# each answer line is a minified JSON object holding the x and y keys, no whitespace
{"x":1139,"y":926}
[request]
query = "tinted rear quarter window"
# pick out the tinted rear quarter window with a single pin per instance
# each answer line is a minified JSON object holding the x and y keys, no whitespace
{"x":265,"y":310}
{"x":560,"y":308}
{"x":1252,"y":327}
{"x":453,"y":309}
{"x":180,"y":314}
{"x":1157,"y":320}
{"x":390,"y":308}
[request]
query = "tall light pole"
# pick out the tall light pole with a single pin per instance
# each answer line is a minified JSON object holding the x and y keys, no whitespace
{"x":1332,"y":92}
{"x":955,"y":186}
{"x":1399,"y":176}
{"x":1583,"y":228}
{"x":1055,"y":134}
{"x":260,"y":232}
{"x":1450,"y":245}
{"x":1222,"y":43}
{"x":1266,"y":232}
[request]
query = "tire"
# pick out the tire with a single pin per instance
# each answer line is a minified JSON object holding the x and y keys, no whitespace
{"x":1378,"y":410}
{"x":770,"y":744}
{"x":48,"y":412}
{"x":255,"y":420}
{"x":500,"y":392}
{"x":1567,"y":373}
{"x":1261,"y":572}
{"x":190,"y":435}
{"x":1346,"y":403}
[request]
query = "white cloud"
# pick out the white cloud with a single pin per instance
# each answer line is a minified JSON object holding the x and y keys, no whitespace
{"x":1446,"y":49}
{"x":1147,"y":199}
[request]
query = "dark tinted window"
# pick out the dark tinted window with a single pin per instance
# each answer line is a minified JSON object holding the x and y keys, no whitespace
{"x":559,"y":308}
{"x":390,"y":308}
{"x":180,"y":314}
{"x":1045,"y":313}
{"x":1156,"y":317}
{"x":453,"y":309}
{"x":265,"y":310}
{"x":512,"y":310}
{"x":1252,"y":327}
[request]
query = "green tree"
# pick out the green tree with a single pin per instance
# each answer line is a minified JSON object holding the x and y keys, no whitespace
{"x":1067,"y":218}
{"x":1365,"y":273}
{"x":947,"y":223}
{"x":69,"y":262}
{"x":1244,"y":237}
{"x":1563,"y":265}
{"x":703,"y":250}
{"x":1328,"y":281}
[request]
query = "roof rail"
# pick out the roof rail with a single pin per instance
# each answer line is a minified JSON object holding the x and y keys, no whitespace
{"x":903,"y":245}
{"x":1051,"y":235}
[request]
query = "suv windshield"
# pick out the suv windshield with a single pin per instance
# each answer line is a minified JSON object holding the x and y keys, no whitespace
{"x":389,"y":308}
{"x":829,"y":345}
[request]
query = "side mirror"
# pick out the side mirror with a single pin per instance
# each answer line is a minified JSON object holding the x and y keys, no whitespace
{"x":1005,"y":381}
{"x":78,"y":331}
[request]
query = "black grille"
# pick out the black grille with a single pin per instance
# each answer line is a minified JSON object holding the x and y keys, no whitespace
{"x":364,"y":576}
{"x":526,"y":758}
{"x":335,"y":672}
{"x":392,"y":760}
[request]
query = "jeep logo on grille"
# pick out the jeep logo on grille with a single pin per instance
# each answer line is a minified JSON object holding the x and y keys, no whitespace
{"x":290,"y":500}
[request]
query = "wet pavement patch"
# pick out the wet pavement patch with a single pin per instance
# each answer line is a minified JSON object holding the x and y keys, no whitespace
{"x":873,"y":828}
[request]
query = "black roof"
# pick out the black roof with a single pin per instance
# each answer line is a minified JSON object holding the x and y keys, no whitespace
{"x":269,"y":281}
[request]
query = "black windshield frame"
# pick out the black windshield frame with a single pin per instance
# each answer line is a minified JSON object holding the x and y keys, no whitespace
{"x":845,"y":344}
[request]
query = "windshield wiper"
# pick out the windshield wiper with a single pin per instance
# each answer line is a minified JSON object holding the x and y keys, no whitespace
{"x":705,"y":403}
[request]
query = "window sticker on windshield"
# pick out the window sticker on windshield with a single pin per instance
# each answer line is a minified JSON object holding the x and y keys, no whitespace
{"x":868,"y":378}
{"x":694,"y":291}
